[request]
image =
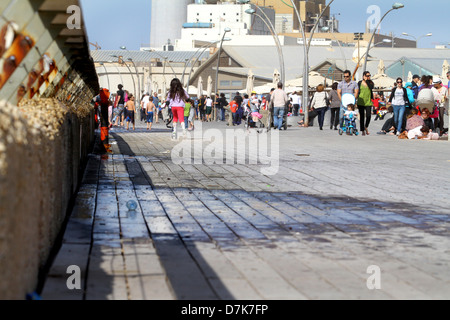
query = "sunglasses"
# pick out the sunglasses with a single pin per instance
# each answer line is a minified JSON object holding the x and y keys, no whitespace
{"x":399,"y":82}
{"x":368,"y":75}
{"x":346,"y":76}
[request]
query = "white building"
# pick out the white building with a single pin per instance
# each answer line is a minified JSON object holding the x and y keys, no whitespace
{"x":207,"y":22}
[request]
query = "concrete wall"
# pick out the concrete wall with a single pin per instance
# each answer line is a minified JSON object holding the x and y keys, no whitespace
{"x":43,"y":145}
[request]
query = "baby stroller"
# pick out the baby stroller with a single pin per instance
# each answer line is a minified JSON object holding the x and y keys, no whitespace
{"x":167,"y":115}
{"x":253,"y":119}
{"x":349,"y":126}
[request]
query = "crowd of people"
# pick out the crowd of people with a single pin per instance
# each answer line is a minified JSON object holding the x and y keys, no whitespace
{"x":424,"y":97}
{"x":416,"y":107}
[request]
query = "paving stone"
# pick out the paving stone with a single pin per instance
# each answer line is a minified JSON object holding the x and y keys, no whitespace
{"x":226,"y":231}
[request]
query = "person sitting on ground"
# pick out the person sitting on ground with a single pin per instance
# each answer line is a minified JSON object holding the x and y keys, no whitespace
{"x":312,"y":114}
{"x":428,"y":134}
{"x":426,"y":118}
{"x":414,"y":120}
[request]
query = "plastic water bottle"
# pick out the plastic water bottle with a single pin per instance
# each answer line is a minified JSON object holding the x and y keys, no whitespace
{"x":131,"y":205}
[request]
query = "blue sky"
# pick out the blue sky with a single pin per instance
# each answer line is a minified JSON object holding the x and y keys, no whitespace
{"x":113,"y":23}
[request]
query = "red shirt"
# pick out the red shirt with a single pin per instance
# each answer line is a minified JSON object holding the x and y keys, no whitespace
{"x":233,"y":106}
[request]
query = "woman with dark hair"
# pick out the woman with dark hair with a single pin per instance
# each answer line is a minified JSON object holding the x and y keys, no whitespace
{"x":319,"y":103}
{"x":364,"y":101}
{"x":335,"y":104}
{"x":176,"y":97}
{"x":399,"y":100}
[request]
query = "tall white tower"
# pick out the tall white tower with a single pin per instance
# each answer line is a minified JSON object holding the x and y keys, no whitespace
{"x":168,"y":17}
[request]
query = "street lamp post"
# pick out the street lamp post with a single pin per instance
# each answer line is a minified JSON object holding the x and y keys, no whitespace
{"x":107,"y":75}
{"x":165,"y":61}
{"x":362,"y":57}
{"x":305,"y":96}
{"x":204,"y":47}
{"x":417,"y":39}
{"x":271,"y":28}
{"x":132,"y":78}
{"x":137,"y":75}
{"x":395,"y":6}
{"x":226,"y":30}
{"x":326,"y":29}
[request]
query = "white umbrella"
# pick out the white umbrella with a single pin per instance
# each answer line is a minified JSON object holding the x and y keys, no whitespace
{"x":262,"y":89}
{"x":410,"y":77}
{"x":381,"y":68}
{"x":209,"y":87}
{"x":276,"y":77}
{"x":314,"y":80}
{"x":250,"y":82}
{"x":200,"y":87}
{"x":383,"y":81}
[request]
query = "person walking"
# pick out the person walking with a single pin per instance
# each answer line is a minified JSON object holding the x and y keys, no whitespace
{"x":295,"y":103}
{"x":201,"y":108}
{"x":399,"y":100}
{"x":144,"y":101}
{"x":222,"y":104}
{"x":130,"y":112}
{"x":364,"y":102}
{"x":415,"y":85}
{"x":209,"y":105}
{"x":157,"y":104}
{"x":177,"y":97}
{"x":440,"y":98}
{"x":335,"y":105}
{"x":279,"y":99}
{"x":319,"y":103}
{"x":150,"y":110}
{"x":346,"y":86}
{"x":119,"y":106}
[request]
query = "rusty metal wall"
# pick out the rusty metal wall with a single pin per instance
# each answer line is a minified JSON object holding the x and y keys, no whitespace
{"x":40,"y":56}
{"x":47,"y":127}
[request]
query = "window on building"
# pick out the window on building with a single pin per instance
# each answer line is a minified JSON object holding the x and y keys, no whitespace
{"x":236,"y":83}
{"x":224,"y":83}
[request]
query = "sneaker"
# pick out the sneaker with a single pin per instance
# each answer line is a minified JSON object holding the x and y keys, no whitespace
{"x":381,"y":132}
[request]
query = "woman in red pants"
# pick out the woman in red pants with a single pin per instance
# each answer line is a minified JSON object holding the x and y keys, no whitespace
{"x":177,"y":97}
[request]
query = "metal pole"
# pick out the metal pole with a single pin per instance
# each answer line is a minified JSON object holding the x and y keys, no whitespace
{"x":195,"y":62}
{"x":165,"y":59}
{"x":279,"y":48}
{"x":192,"y":67}
{"x":317,"y":23}
{"x":371,"y":39}
{"x":277,"y":42}
{"x":138,"y":98}
{"x":305,"y":96}
{"x":107,"y":75}
{"x":217,"y":73}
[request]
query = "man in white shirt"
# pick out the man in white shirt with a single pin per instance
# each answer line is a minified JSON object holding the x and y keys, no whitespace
{"x":144,"y":103}
{"x":279,"y":100}
{"x":296,"y":103}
